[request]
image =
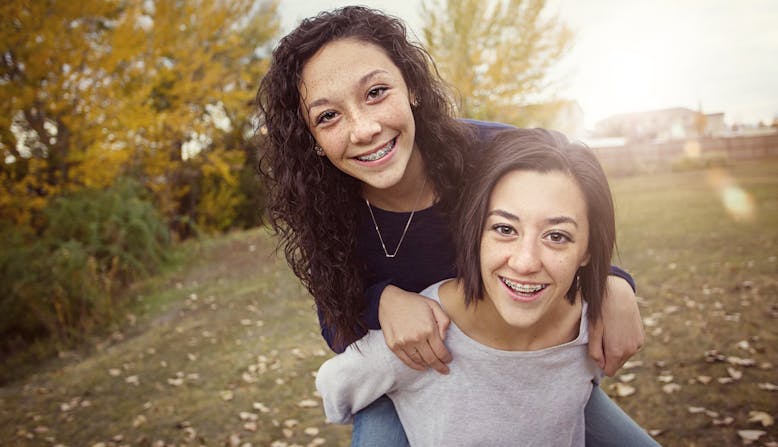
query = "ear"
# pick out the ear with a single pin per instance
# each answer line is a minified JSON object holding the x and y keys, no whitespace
{"x":585,"y":260}
{"x":413,"y":99}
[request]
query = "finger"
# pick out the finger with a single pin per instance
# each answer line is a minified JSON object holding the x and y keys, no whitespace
{"x":596,"y":348}
{"x":441,"y":319}
{"x":613,"y":364}
{"x":431,"y":360}
{"x":409,"y":361}
{"x":439,"y":349}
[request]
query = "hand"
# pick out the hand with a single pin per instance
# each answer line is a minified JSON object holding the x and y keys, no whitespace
{"x":618,"y":335}
{"x":414,"y":328}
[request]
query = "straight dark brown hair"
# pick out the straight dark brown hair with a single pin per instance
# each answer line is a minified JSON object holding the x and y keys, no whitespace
{"x":538,"y":150}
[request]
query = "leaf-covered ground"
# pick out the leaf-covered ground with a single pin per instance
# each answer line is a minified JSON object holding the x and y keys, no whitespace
{"x":223,"y":351}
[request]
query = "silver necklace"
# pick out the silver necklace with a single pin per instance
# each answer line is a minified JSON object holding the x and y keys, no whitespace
{"x":407,"y":224}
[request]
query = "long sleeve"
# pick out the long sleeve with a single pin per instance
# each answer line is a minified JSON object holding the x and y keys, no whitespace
{"x":370,"y":316}
{"x":354,"y":379}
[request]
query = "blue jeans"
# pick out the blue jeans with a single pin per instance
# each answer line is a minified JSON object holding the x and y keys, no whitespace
{"x":377,"y":425}
{"x":607,"y":425}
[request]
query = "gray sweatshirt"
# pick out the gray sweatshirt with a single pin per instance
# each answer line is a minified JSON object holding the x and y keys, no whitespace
{"x":490,"y":397}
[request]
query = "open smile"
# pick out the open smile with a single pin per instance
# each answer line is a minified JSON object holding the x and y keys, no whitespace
{"x":380,"y":153}
{"x":523,"y":291}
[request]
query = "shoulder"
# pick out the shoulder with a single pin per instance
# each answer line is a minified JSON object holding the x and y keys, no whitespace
{"x":433,"y":291}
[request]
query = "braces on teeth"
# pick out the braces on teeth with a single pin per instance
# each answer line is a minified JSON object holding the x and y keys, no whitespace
{"x":379,"y":154}
{"x":375,"y":155}
{"x":521,"y":287}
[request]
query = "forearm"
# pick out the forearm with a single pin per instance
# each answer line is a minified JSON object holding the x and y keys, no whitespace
{"x":623,"y":274}
{"x":354,"y":379}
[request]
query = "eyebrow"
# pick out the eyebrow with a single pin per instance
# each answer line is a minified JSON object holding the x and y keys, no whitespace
{"x":363,"y":80}
{"x":551,"y":220}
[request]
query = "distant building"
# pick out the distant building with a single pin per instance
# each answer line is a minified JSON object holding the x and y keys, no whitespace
{"x":563,"y":115}
{"x":662,"y":125}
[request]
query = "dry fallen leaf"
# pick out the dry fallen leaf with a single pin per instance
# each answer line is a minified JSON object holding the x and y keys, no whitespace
{"x":732,"y":360}
{"x":308,"y":403}
{"x":726,"y":421}
{"x":695,"y":410}
{"x":623,"y":390}
{"x":311,"y":431}
{"x":261,"y":407}
{"x":768,"y":387}
{"x":666,"y":378}
{"x":749,"y":436}
{"x":670,"y":388}
{"x":226,"y":395}
{"x":760,"y":416}
{"x":627,"y":377}
{"x":734,"y":373}
{"x":632,"y":364}
{"x":248,"y":416}
{"x":704,"y":379}
{"x":139,"y":420}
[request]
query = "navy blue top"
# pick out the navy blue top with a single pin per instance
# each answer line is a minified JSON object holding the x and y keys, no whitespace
{"x":425,"y":257}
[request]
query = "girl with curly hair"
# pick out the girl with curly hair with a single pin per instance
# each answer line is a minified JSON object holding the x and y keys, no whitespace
{"x":363,"y":159}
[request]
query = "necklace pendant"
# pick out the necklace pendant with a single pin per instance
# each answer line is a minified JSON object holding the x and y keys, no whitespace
{"x":407,"y":224}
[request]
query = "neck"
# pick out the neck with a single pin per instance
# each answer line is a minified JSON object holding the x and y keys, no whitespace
{"x":414,"y":190}
{"x":481,"y":322}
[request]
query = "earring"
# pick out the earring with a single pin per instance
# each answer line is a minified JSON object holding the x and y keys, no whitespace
{"x":415,"y":102}
{"x":319,"y":151}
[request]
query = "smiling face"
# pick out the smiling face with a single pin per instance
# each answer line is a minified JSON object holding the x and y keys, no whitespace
{"x":534,"y":240}
{"x":357,"y":107}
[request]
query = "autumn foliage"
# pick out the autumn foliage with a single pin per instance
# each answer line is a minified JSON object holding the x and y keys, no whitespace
{"x":160,"y":91}
{"x":95,"y":91}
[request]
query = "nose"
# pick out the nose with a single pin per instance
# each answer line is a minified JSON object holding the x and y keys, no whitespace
{"x":525,"y":257}
{"x":364,"y":128}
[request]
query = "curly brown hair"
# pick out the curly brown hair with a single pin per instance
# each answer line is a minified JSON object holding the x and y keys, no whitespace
{"x":538,"y":150}
{"x":311,"y":204}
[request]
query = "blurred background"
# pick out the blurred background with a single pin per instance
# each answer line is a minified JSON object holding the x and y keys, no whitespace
{"x":129,"y":197}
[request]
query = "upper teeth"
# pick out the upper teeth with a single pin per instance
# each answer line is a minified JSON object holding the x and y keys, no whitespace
{"x":523,"y":288}
{"x":379,"y":154}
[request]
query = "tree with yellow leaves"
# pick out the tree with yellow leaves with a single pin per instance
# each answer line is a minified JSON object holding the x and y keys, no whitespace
{"x":496,"y":53}
{"x":157,"y":90}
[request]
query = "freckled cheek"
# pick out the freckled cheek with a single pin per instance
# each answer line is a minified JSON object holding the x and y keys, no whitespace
{"x":334,"y":143}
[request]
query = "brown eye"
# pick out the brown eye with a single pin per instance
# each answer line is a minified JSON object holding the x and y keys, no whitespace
{"x":558,"y":237}
{"x":325,"y":117}
{"x":504,"y":230}
{"x":376,"y":92}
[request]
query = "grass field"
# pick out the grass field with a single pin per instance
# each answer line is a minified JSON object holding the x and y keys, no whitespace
{"x":222,"y":350}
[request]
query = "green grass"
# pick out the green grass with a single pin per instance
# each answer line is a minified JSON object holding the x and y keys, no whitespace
{"x":224,"y":346}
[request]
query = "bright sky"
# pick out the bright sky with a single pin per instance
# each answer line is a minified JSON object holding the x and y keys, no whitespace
{"x":636,"y":55}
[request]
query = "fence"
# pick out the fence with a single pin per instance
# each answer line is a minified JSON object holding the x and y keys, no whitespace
{"x":648,"y":156}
